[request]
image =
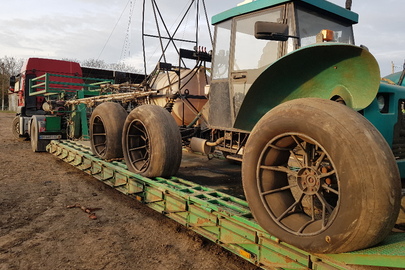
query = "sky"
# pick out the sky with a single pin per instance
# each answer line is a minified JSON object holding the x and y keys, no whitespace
{"x":103,"y":29}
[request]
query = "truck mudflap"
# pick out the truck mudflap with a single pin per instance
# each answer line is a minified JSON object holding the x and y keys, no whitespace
{"x":323,"y":70}
{"x":222,"y":218}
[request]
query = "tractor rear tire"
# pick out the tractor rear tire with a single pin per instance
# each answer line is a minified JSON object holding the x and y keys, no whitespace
{"x":106,"y":123}
{"x":151,"y":142}
{"x":319,"y":176}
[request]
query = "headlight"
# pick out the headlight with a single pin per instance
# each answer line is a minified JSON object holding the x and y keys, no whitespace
{"x":381,"y":102}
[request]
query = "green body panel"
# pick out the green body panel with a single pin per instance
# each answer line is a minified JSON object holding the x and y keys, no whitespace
{"x":390,"y":122}
{"x":82,"y":110}
{"x":221,"y":218}
{"x":261,"y":4}
{"x":53,"y":124}
{"x":385,"y":122}
{"x":74,"y":130}
{"x":324,"y":70}
{"x":395,"y":77}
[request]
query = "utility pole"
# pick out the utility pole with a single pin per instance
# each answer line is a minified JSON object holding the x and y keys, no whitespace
{"x":349,"y":4}
{"x":2,"y":87}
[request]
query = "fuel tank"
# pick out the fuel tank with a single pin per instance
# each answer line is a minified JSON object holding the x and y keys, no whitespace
{"x":191,"y":86}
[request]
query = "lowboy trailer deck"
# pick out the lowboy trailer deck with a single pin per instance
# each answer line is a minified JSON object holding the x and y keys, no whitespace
{"x":222,"y":218}
{"x":320,"y":137}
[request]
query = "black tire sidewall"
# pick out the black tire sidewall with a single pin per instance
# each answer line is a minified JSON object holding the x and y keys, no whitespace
{"x":15,"y":124}
{"x":113,"y":116}
{"x":34,"y":135}
{"x":357,"y":195}
{"x":37,"y":145}
{"x":164,"y":140}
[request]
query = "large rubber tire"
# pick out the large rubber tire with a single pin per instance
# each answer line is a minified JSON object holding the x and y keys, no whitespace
{"x":15,"y":127}
{"x":37,"y":145}
{"x":106,"y":123}
{"x":319,"y":176}
{"x":151,"y":142}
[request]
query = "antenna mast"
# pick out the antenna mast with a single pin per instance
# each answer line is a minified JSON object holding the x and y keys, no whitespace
{"x":167,"y":38}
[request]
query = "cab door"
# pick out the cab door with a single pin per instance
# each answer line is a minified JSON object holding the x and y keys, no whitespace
{"x":251,"y":56}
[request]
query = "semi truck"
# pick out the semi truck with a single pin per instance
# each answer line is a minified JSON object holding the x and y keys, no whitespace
{"x":43,"y":86}
{"x":319,"y":135}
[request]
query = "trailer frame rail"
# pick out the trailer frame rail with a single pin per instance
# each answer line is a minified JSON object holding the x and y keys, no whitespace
{"x":221,"y":218}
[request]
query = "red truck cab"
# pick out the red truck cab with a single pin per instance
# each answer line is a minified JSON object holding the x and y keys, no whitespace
{"x":35,"y":67}
{"x":46,"y":77}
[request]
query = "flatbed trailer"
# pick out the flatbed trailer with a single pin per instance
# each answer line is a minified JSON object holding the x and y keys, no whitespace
{"x":222,"y":218}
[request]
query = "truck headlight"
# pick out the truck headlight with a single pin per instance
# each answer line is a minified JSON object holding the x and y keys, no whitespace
{"x":383,"y":102}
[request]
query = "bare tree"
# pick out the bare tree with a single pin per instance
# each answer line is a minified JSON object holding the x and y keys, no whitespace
{"x":94,"y":63}
{"x":124,"y":68}
{"x":101,"y":64}
{"x":9,"y":66}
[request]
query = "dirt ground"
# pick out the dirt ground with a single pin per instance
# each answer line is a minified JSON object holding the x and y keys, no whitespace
{"x":38,"y":231}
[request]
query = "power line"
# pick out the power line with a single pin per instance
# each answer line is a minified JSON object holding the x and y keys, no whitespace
{"x":127,"y":42}
{"x":115,"y":26}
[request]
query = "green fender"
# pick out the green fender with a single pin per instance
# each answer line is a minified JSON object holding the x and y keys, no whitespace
{"x":325,"y":70}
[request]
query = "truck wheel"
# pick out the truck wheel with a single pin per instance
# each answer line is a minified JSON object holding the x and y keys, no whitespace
{"x":319,"y":176}
{"x":106,"y":123}
{"x":151,"y":142}
{"x":37,"y":145}
{"x":16,"y":129}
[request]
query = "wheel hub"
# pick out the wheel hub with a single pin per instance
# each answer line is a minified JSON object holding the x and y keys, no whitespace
{"x":308,"y":181}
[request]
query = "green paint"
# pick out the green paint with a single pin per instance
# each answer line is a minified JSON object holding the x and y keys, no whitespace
{"x":321,"y":70}
{"x":221,"y":218}
{"x":82,"y":110}
{"x":323,"y":5}
{"x":53,"y":124}
{"x":395,"y":77}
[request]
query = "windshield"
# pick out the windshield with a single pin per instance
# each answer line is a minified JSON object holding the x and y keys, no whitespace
{"x":250,"y":52}
{"x":311,"y":23}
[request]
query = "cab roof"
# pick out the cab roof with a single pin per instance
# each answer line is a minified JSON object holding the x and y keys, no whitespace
{"x":322,"y":5}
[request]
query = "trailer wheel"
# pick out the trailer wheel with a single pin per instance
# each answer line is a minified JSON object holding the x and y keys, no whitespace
{"x":16,"y":129}
{"x":319,"y":176}
{"x":106,"y":123}
{"x":151,"y":142}
{"x":37,"y":145}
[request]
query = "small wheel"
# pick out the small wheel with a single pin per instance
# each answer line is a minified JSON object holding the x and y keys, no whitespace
{"x":106,"y":123}
{"x":37,"y":145}
{"x":151,"y":142}
{"x":319,"y":176}
{"x":16,"y":129}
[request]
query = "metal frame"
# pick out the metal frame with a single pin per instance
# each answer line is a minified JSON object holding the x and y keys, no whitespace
{"x":44,"y":86}
{"x":223,"y":219}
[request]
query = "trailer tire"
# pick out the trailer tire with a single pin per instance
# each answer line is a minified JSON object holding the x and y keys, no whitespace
{"x":319,"y":176}
{"x":151,"y":142}
{"x":16,"y":129}
{"x":106,"y":123}
{"x":37,"y":145}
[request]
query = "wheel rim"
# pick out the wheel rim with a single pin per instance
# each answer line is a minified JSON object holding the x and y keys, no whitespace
{"x":298,"y":184}
{"x":16,"y":129}
{"x":138,"y":149}
{"x":99,"y":136}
